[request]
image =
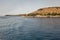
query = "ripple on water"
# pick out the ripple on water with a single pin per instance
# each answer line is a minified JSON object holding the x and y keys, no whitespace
{"x":19,"y":28}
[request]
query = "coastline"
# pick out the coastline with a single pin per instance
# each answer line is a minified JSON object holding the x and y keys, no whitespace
{"x":41,"y":16}
{"x":48,"y":16}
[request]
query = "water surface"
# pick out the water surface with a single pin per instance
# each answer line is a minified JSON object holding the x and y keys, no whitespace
{"x":19,"y":28}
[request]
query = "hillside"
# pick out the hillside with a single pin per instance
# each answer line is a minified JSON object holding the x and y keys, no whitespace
{"x":49,"y":11}
{"x":43,"y":12}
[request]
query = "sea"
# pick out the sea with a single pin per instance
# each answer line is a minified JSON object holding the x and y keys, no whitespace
{"x":25,"y":28}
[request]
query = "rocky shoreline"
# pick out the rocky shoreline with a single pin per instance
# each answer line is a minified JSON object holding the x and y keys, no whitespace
{"x":40,"y":16}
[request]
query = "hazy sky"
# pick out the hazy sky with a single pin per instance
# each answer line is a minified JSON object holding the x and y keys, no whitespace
{"x":24,"y":6}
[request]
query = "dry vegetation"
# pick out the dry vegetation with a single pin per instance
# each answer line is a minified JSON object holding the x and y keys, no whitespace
{"x":52,"y":11}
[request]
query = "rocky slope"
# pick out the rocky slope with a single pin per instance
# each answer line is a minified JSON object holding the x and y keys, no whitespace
{"x":47,"y":11}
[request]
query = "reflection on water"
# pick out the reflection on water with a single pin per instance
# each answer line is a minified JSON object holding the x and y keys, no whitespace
{"x":18,"y":28}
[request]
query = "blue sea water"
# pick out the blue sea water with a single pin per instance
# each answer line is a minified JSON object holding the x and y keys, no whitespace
{"x":20,"y":28}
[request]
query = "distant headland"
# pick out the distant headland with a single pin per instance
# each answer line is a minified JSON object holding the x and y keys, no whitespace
{"x":42,"y":12}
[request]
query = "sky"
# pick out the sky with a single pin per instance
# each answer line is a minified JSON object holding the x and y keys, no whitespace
{"x":13,"y":7}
